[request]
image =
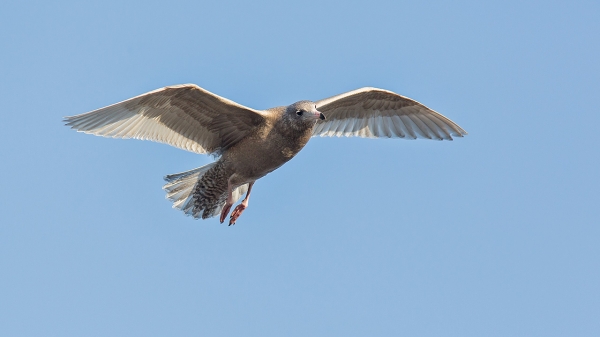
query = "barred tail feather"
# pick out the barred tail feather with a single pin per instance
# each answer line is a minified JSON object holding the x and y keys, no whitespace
{"x":179,"y":186}
{"x":180,"y":190}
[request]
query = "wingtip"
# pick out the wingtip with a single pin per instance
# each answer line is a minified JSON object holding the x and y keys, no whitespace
{"x":67,"y":121}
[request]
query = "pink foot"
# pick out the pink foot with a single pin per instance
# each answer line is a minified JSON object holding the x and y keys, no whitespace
{"x":236,"y":213}
{"x":225,"y":211}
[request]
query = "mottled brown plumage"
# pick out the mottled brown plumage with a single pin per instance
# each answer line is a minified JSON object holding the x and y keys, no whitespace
{"x":252,"y":143}
{"x":264,"y":149}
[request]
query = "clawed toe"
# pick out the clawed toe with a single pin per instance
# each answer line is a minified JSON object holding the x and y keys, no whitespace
{"x":224,"y":212}
{"x":236,"y":213}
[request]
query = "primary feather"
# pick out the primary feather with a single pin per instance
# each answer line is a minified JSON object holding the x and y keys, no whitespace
{"x":184,"y":116}
{"x":374,"y":113}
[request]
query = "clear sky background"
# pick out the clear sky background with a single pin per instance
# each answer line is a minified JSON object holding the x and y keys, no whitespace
{"x":494,"y":234}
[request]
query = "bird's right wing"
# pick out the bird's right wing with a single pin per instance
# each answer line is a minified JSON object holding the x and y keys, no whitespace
{"x":373,"y":113}
{"x":185,"y":116}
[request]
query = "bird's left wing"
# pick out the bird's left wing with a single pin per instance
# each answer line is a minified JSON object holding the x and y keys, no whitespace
{"x":374,"y":113}
{"x":185,"y":116}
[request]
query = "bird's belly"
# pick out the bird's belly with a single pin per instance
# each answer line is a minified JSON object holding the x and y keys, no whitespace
{"x":268,"y":160}
{"x":261,"y":159}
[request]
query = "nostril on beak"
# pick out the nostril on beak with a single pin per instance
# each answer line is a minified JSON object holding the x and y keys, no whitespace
{"x":321,"y":116}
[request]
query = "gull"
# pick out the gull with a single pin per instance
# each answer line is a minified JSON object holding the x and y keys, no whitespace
{"x":247,"y":143}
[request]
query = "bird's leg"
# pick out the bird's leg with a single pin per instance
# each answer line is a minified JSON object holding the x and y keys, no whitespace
{"x":241,"y":207}
{"x":228,"y":203}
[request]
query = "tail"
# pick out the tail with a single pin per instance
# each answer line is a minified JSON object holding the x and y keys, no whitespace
{"x":180,"y":189}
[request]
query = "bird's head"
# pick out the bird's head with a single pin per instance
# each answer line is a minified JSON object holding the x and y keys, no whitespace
{"x":305,"y":111}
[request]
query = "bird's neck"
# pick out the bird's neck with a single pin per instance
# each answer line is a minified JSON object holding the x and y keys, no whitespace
{"x":296,"y":133}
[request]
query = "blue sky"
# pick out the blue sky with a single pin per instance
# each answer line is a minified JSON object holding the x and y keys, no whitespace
{"x":495,"y":234}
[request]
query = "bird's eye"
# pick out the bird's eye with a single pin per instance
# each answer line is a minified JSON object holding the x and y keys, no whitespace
{"x":299,"y":112}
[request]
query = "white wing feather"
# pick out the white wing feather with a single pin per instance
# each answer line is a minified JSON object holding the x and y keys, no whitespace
{"x":375,"y":113}
{"x":184,"y":116}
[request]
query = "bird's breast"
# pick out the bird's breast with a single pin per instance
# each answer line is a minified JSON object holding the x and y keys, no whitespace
{"x":264,"y":153}
{"x":288,"y":153}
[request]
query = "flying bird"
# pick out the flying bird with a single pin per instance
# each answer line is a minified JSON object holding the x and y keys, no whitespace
{"x":249,"y":143}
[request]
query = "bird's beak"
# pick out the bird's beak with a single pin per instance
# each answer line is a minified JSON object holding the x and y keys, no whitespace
{"x":316,"y":114}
